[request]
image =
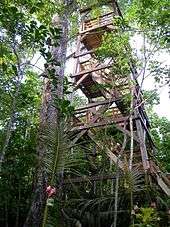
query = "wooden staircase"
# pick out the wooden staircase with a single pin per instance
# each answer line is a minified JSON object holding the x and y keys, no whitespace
{"x":106,"y":106}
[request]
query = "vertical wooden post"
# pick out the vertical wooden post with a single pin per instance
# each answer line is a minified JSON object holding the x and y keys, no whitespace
{"x":140,"y":133}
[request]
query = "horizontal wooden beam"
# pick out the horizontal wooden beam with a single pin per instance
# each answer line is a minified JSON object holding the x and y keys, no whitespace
{"x":83,"y":54}
{"x":90,"y":105}
{"x":85,"y":61}
{"x":95,"y":27}
{"x":91,"y":70}
{"x":96,"y":18}
{"x":100,"y":111}
{"x":99,"y":124}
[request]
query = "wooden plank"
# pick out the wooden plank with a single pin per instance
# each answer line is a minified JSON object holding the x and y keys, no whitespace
{"x":162,"y":184}
{"x":77,"y":137}
{"x":98,"y":21}
{"x":99,"y":124}
{"x":112,"y":113}
{"x":117,"y":8}
{"x":93,"y":24}
{"x":155,"y":169}
{"x":90,"y":105}
{"x":91,"y":70}
{"x":147,"y":131}
{"x":86,"y":61}
{"x":125,"y":131}
{"x":104,"y":15}
{"x":80,"y":81}
{"x":72,"y":55}
{"x":95,"y":27}
{"x":98,"y":112}
{"x":143,"y":149}
{"x":83,"y":54}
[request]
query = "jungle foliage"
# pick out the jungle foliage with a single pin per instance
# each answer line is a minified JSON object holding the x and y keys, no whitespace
{"x":26,"y":38}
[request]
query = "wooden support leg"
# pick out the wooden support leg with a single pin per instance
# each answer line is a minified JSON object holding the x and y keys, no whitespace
{"x":144,"y":154}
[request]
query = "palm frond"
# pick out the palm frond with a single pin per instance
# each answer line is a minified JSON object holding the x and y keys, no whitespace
{"x":133,"y":180}
{"x":59,"y":157}
{"x":57,"y":147}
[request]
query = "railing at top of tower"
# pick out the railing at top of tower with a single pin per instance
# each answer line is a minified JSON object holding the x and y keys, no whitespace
{"x":103,"y":20}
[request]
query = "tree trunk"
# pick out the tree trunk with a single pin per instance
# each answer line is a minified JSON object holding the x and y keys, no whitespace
{"x":48,"y":116}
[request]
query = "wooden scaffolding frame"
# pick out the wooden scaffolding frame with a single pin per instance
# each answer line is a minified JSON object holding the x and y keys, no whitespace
{"x":106,"y":106}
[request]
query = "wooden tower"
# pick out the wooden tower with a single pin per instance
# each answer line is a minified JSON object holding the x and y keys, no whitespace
{"x":106,"y":105}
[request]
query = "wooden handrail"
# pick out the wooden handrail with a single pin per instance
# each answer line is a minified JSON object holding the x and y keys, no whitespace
{"x":91,"y":70}
{"x":100,"y":124}
{"x":95,"y":27}
{"x":104,"y":15}
{"x":88,"y":8}
{"x":90,"y":105}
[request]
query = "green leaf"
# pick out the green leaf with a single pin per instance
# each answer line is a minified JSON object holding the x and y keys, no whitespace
{"x":13,"y":9}
{"x":33,"y":9}
{"x":4,"y":66}
{"x":14,"y":68}
{"x":42,"y":27}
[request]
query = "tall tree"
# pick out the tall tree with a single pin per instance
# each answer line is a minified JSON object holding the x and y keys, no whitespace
{"x":53,"y":89}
